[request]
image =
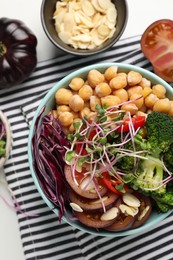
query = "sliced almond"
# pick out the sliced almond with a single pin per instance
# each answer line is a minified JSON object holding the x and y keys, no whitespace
{"x":112,"y":15}
{"x":88,"y":8}
{"x":69,"y":22}
{"x":103,"y":30}
{"x":104,"y":4}
{"x":110,"y":214}
{"x":82,"y":38}
{"x":76,"y":207}
{"x":131,"y":200}
{"x":143,"y":213}
{"x":87,"y":184}
{"x":128,"y":210}
{"x":85,"y":20}
{"x":97,"y":6}
{"x":65,"y":36}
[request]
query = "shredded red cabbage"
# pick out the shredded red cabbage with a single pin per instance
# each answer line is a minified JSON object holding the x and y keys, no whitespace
{"x":48,"y":147}
{"x":2,"y":130}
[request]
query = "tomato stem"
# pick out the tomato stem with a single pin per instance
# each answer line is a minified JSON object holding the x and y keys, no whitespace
{"x":3,"y":49}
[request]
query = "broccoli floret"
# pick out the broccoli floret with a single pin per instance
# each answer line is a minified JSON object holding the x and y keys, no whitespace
{"x":161,"y":207}
{"x":168,"y":156}
{"x":126,"y":162}
{"x":159,"y":128}
{"x":148,"y":177}
{"x":166,"y":198}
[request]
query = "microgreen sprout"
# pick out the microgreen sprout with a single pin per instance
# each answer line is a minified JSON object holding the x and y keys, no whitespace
{"x":101,"y":143}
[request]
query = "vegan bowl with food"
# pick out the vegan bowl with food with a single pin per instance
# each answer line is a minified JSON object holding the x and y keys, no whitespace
{"x":96,"y":152}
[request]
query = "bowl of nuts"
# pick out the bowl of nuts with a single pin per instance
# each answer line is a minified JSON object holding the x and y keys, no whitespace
{"x":84,"y":27}
{"x":95,"y":150}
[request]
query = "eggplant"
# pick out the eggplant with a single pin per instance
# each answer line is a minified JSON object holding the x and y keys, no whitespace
{"x":18,"y":55}
{"x":84,"y":193}
{"x":93,"y":204}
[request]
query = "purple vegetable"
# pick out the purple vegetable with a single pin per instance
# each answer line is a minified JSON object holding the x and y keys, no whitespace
{"x":2,"y":130}
{"x":48,"y":146}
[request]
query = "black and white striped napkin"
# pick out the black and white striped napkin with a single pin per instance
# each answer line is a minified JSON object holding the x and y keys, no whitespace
{"x":42,"y":236}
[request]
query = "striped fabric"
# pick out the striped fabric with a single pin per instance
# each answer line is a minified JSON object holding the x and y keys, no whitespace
{"x":41,"y":234}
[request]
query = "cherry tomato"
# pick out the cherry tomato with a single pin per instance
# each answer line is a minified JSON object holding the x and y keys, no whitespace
{"x":111,"y":184}
{"x":80,"y":148}
{"x":156,"y":44}
{"x":92,"y":134}
{"x":137,"y":121}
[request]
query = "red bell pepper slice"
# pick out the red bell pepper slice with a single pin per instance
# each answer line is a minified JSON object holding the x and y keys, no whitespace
{"x":137,"y":121}
{"x":111,"y":184}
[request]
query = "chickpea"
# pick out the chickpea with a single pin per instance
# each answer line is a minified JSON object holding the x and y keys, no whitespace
{"x":92,"y":116}
{"x":66,"y":118}
{"x":135,"y":89}
{"x":62,"y":108}
{"x":93,"y":102}
{"x":150,"y":100}
{"x":76,"y":103}
{"x":62,"y":96}
{"x":146,"y":91}
{"x":133,"y":78}
{"x":145,"y":83}
{"x":140,"y":113}
{"x":94,"y":78}
{"x":121,"y":93}
{"x":84,"y":112}
{"x":75,"y":114}
{"x":102,"y":89}
{"x":110,"y":101}
{"x":138,"y":100}
{"x":76,"y":83}
{"x":130,"y":107}
{"x":85,"y":92}
{"x":111,"y":73}
{"x":159,"y":91}
{"x":171,"y":109}
{"x":143,"y":108}
{"x":120,"y":81}
{"x":162,"y":105}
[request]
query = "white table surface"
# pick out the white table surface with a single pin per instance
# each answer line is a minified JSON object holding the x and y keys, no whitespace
{"x":141,"y":15}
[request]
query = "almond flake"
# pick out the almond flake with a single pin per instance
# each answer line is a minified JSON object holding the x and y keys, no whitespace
{"x":65,"y":36}
{"x":88,"y":8}
{"x":112,"y":15}
{"x":104,"y":4}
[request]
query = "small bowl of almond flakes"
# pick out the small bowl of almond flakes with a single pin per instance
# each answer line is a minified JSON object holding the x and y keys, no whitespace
{"x":84,"y":27}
